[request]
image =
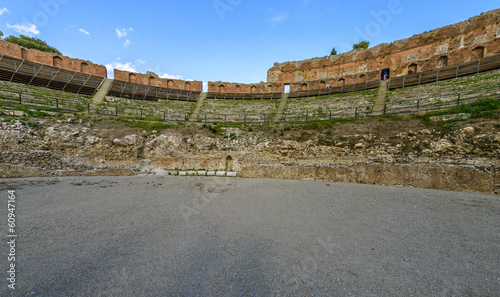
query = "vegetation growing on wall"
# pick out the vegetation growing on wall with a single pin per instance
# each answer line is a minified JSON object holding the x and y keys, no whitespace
{"x":32,"y":43}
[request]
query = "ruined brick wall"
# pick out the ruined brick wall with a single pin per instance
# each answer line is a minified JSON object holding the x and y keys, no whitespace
{"x":60,"y":61}
{"x":155,"y":80}
{"x":262,"y":87}
{"x":459,"y":43}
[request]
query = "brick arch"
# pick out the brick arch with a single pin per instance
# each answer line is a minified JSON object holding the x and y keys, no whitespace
{"x":341,"y":82}
{"x":24,"y":53}
{"x":152,"y":80}
{"x":84,"y":67}
{"x":322,"y":84}
{"x":286,"y":88}
{"x":253,"y":89}
{"x":222,"y":89}
{"x":362,"y":77}
{"x":238,"y":88}
{"x":187,"y":86}
{"x":304,"y":87}
{"x":57,"y":61}
{"x":269,"y":88}
{"x":170,"y":84}
{"x":442,"y":61}
{"x":132,"y":78}
{"x":412,"y":69}
{"x":478,"y":53}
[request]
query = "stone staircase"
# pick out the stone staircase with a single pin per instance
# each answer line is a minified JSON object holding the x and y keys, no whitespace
{"x":196,"y":111}
{"x":279,"y":114}
{"x":103,"y":91}
{"x":379,"y":103}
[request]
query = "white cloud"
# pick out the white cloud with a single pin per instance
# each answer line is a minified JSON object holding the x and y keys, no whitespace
{"x":140,"y":62}
{"x":166,"y":75}
{"x":279,"y":18}
{"x":84,"y":31}
{"x":123,"y":32}
{"x":29,"y":29}
{"x":121,"y":66}
{"x":126,"y":43}
{"x":3,"y":10}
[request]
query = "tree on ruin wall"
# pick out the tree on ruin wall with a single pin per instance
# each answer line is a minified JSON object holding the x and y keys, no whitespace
{"x":32,"y":43}
{"x":361,"y":45}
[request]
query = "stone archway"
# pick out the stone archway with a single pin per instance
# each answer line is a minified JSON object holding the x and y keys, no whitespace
{"x":238,"y":88}
{"x":151,"y":81}
{"x":222,"y":89}
{"x":341,"y":82}
{"x":84,"y":67}
{"x":24,"y":53}
{"x":412,"y":69}
{"x":322,"y":84}
{"x":303,"y":87}
{"x":286,"y":88}
{"x":170,"y":84}
{"x":385,"y":74}
{"x":478,"y":53}
{"x":253,"y":89}
{"x":229,"y":163}
{"x":58,"y":61}
{"x":132,"y":78}
{"x":442,"y":61}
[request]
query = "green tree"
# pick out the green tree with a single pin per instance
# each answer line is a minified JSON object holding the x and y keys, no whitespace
{"x":32,"y":43}
{"x":334,"y":52}
{"x":362,"y":44}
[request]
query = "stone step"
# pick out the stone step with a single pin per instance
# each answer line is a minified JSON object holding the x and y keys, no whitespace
{"x":196,"y":112}
{"x":379,"y":103}
{"x":103,"y":91}
{"x":279,"y":114}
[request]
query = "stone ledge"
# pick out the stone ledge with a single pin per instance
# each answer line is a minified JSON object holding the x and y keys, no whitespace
{"x":206,"y":173}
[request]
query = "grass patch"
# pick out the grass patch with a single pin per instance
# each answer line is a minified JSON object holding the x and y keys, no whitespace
{"x":147,"y":124}
{"x":484,"y":108}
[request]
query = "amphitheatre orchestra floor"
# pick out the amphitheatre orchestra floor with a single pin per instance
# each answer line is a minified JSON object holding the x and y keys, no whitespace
{"x":194,"y":236}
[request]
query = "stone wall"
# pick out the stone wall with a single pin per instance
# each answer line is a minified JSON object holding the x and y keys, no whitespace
{"x":459,"y":43}
{"x":387,"y":153}
{"x":152,"y":79}
{"x":262,"y":87}
{"x":451,"y":178}
{"x":56,"y":60}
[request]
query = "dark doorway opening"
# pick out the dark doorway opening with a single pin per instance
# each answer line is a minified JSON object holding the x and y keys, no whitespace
{"x":385,"y":74}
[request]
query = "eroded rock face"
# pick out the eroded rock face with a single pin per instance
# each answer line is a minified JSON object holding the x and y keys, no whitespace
{"x":77,"y":150}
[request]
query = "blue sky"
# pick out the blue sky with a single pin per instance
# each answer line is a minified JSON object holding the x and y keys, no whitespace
{"x":222,"y":40}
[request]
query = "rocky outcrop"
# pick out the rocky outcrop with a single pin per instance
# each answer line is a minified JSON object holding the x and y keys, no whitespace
{"x":464,"y":159}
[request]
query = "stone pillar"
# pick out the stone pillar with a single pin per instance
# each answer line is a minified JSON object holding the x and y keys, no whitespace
{"x":462,"y":42}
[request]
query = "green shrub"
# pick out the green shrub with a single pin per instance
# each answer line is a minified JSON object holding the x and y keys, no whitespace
{"x":32,"y":43}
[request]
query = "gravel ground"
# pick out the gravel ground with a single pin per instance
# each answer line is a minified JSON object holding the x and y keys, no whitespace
{"x":193,"y":236}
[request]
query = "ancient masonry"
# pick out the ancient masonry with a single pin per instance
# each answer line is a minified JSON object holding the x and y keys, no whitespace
{"x":463,"y":42}
{"x":466,"y":41}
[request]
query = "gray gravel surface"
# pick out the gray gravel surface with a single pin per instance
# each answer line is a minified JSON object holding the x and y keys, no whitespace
{"x":194,"y":236}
